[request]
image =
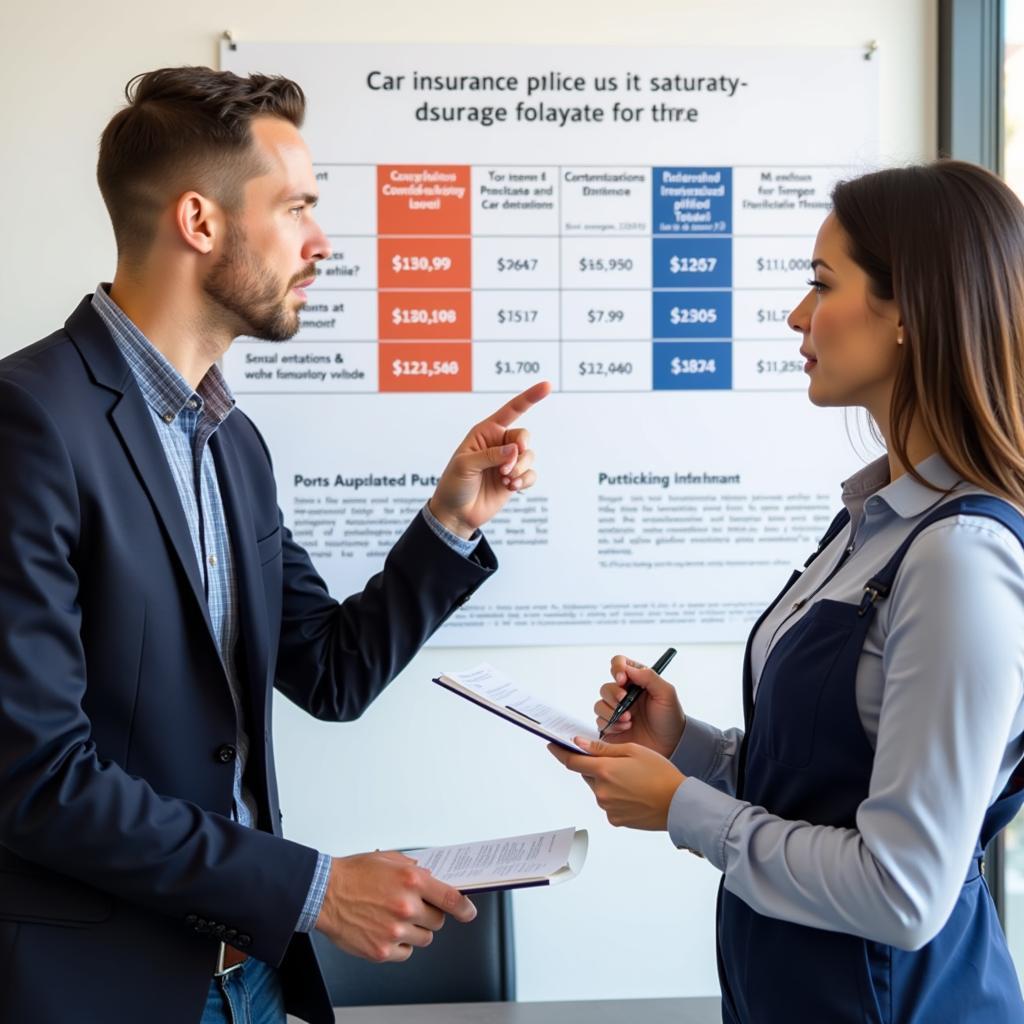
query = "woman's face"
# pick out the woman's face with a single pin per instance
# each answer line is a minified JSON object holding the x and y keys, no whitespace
{"x":849,"y":336}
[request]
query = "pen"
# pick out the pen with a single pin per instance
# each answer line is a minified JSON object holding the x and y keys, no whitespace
{"x":633,"y":691}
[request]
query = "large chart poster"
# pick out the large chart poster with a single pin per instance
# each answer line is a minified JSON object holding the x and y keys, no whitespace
{"x":633,"y":225}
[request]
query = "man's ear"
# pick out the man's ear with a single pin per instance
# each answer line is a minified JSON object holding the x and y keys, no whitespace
{"x":198,"y":221}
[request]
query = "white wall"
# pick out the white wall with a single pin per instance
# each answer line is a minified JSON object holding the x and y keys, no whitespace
{"x":347,"y":788}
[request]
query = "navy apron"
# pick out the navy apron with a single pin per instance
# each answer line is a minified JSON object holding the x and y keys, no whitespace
{"x":805,"y":757}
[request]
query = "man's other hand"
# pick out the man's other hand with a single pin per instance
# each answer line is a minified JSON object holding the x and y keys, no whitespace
{"x":379,"y":905}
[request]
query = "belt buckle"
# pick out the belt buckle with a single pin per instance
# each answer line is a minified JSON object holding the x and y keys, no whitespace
{"x":222,"y":971}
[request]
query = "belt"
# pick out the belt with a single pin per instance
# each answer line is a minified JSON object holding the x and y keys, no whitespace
{"x":228,"y":959}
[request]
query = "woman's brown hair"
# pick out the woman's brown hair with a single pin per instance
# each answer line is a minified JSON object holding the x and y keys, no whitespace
{"x":946,"y":241}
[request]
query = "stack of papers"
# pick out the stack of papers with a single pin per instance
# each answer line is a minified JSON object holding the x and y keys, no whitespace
{"x":516,"y":862}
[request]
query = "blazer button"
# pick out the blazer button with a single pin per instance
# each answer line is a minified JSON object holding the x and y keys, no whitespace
{"x":226,"y":753}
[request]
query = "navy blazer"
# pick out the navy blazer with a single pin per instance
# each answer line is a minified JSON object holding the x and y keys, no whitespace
{"x":119,"y":864}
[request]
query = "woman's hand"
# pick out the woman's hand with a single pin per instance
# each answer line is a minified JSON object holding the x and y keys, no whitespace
{"x":655,"y":720}
{"x":634,"y":786}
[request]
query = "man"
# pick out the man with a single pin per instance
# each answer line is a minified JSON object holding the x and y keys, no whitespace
{"x":151,"y":598}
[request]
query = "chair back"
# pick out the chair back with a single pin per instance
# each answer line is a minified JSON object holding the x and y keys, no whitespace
{"x":466,"y":963}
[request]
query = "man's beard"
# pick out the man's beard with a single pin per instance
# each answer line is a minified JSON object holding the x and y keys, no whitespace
{"x":242,"y":285}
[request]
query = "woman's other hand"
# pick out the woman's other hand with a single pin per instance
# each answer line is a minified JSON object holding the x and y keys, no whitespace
{"x":633,"y":785}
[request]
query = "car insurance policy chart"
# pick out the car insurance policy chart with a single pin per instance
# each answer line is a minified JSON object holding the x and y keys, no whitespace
{"x":633,"y":225}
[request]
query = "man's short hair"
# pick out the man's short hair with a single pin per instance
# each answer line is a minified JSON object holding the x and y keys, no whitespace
{"x":184,"y":128}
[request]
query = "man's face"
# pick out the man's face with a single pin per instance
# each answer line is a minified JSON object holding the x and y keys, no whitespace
{"x":272,"y":245}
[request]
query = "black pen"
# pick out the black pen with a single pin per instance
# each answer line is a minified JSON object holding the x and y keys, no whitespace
{"x":633,"y":691}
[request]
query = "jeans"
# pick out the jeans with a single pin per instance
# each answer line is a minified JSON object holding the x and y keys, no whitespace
{"x":249,"y":995}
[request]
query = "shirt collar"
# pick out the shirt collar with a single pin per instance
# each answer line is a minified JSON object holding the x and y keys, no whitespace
{"x":165,"y":390}
{"x":907,"y":497}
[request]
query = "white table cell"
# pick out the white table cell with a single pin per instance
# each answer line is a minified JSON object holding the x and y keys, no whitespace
{"x":264,"y":367}
{"x":329,"y":316}
{"x":605,"y":200}
{"x":513,"y":366}
{"x":772,"y":262}
{"x":782,"y":200}
{"x":352,"y":264}
{"x":762,"y":314}
{"x":606,"y":366}
{"x":348,"y":198}
{"x":502,"y":315}
{"x":606,"y":314}
{"x":515,"y":200}
{"x":606,"y":262}
{"x":768,"y":366}
{"x":515,"y":262}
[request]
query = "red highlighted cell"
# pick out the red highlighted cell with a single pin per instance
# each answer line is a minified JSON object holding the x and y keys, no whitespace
{"x":424,"y":316}
{"x":424,"y":263}
{"x":425,"y":366}
{"x":415,"y":199}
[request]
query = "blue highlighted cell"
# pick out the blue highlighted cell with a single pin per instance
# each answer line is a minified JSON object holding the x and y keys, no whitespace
{"x":692,"y":200}
{"x":692,"y":262}
{"x":692,"y":366}
{"x":691,"y":314}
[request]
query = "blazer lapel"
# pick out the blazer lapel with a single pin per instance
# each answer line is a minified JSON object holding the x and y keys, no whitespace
{"x":252,"y":600}
{"x":132,"y":421}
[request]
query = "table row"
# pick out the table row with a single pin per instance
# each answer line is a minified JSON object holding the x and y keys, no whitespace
{"x":538,"y":262}
{"x":259,"y":367}
{"x":550,"y":316}
{"x":436,"y":199}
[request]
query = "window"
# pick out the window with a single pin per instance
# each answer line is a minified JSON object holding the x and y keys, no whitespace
{"x":1013,"y":95}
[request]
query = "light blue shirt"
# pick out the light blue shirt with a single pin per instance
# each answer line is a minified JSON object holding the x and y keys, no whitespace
{"x":940,"y":693}
{"x":185,"y":420}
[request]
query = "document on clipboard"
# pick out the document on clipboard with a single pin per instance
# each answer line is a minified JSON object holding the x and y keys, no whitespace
{"x":515,"y":862}
{"x":495,"y":692}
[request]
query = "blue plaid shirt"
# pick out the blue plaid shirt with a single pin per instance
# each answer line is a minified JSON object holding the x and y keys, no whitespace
{"x":185,"y":420}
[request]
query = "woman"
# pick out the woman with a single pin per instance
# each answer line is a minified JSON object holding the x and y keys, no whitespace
{"x":884,"y":688}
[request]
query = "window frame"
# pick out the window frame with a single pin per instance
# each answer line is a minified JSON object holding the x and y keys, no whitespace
{"x":971,"y":47}
{"x":971,"y":54}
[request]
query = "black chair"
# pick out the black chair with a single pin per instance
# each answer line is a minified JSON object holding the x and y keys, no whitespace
{"x":466,"y":963}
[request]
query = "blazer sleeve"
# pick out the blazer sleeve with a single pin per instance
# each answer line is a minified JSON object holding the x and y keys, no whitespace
{"x":336,"y":658}
{"x":62,"y":806}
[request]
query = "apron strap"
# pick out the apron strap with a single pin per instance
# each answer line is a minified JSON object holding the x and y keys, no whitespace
{"x":834,"y":528}
{"x":837,"y":524}
{"x":986,"y":505}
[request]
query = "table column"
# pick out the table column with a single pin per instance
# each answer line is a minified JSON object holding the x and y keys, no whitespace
{"x":778,"y":213}
{"x":335,"y":349}
{"x":606,"y":278}
{"x":424,"y":317}
{"x":692,"y":275}
{"x":515,"y":277}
